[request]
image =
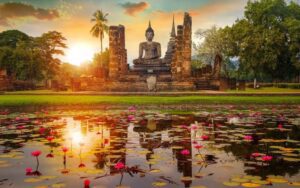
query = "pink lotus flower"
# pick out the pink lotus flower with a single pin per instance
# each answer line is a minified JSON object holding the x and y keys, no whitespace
{"x":21,"y":127}
{"x":50,"y":138}
{"x":132,"y":109}
{"x":194,"y":127}
{"x":185,"y":152}
{"x":248,"y":138}
{"x":42,"y":130}
{"x":204,"y":137}
{"x":183,"y":126}
{"x":50,"y":155}
{"x":36,"y":153}
{"x":28,"y":171}
{"x":130,"y":117}
{"x":119,"y":166}
{"x":87,"y":183}
{"x":267,"y":158}
{"x":64,"y":149}
{"x":198,"y":146}
{"x":53,"y":132}
{"x":255,"y":154}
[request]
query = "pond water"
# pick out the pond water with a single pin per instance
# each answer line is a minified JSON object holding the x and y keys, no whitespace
{"x":221,"y":146}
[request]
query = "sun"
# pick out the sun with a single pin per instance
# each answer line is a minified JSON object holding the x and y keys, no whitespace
{"x":79,"y":53}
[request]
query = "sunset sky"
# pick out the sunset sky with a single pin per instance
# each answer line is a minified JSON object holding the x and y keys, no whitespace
{"x":72,"y":19}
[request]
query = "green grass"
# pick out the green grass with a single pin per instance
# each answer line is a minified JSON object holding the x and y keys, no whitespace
{"x":267,"y":90}
{"x":31,"y":100}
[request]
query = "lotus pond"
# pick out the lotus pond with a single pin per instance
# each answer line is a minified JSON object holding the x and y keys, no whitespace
{"x":216,"y":146}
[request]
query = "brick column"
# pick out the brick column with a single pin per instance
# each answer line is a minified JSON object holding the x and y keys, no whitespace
{"x":117,"y":52}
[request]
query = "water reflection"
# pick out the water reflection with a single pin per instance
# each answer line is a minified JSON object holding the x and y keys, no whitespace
{"x":179,"y":150}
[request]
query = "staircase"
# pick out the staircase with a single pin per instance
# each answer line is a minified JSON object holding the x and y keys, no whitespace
{"x":202,"y":84}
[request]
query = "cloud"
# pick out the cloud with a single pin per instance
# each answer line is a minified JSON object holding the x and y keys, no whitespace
{"x":19,"y":10}
{"x":133,"y":8}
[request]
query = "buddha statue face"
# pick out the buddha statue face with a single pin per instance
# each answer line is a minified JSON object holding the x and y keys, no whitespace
{"x":149,"y":36}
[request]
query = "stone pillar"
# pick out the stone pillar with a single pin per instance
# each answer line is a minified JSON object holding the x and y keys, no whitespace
{"x":181,"y":64}
{"x":122,"y":50}
{"x":187,"y":46}
{"x":178,"y":59}
{"x":117,"y":52}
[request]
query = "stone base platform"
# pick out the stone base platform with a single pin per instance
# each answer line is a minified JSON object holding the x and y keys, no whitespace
{"x":142,"y":86}
{"x":151,"y":68}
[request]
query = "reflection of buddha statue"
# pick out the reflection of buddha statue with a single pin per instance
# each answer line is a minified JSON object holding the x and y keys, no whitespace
{"x":152,"y":49}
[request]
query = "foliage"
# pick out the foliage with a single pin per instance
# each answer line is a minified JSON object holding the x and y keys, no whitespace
{"x":211,"y":46}
{"x":265,"y":40}
{"x":30,"y":58}
{"x":196,"y":64}
{"x":51,"y":44}
{"x":12,"y":37}
{"x":67,"y":71}
{"x":100,"y":26}
{"x":101,"y":59}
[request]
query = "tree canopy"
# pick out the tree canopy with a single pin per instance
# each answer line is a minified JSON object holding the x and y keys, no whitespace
{"x":30,"y":58}
{"x":266,"y":41}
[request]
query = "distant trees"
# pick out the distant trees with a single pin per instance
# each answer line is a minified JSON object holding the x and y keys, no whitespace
{"x":266,"y":42}
{"x":100,"y":62}
{"x":214,"y":42}
{"x":30,"y":58}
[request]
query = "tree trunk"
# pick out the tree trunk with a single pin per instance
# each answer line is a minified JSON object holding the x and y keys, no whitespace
{"x":101,"y":38}
{"x":98,"y":68}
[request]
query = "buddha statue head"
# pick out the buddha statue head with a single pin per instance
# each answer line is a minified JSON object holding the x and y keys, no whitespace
{"x":149,"y":33}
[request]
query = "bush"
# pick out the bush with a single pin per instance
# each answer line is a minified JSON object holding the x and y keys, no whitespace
{"x":22,"y":85}
{"x":278,"y":85}
{"x":250,"y":85}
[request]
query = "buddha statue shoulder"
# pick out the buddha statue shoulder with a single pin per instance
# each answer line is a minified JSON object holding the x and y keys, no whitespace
{"x":149,"y":51}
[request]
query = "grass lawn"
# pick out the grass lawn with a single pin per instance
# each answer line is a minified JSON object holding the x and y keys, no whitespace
{"x":267,"y":90}
{"x":30,"y":100}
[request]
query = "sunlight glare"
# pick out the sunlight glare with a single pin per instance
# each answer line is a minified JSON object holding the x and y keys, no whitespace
{"x":77,"y":137}
{"x":79,"y":53}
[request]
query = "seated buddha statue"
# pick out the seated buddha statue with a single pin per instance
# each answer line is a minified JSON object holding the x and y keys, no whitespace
{"x":149,"y":51}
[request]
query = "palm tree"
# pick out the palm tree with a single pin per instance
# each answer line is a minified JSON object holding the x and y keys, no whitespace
{"x":100,"y":26}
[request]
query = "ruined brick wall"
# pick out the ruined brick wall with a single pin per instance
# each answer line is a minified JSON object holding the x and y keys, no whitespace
{"x":117,"y":52}
{"x":181,"y":65}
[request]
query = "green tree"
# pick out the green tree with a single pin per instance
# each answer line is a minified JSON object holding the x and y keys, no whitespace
{"x":100,"y":27}
{"x":12,"y":37}
{"x":210,"y":43}
{"x":8,"y":57}
{"x":29,"y":58}
{"x":266,"y":40}
{"x":51,"y":45}
{"x":101,"y":61}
